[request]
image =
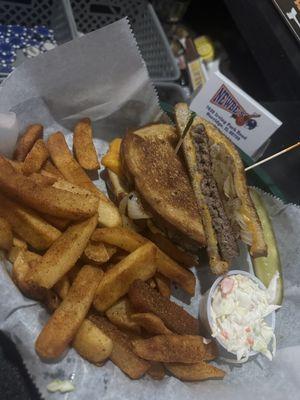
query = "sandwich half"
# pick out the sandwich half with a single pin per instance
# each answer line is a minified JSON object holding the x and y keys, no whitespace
{"x":161,"y":180}
{"x":219,"y":183}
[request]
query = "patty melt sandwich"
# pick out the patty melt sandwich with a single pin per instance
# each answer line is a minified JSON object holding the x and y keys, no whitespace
{"x":197,"y":198}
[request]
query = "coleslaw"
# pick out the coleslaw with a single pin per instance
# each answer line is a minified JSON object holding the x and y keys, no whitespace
{"x":238,"y":310}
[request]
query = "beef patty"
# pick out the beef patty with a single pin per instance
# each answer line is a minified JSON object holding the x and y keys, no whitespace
{"x":221,"y":224}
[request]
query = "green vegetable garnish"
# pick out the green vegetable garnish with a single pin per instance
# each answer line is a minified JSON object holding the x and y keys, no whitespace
{"x":266,"y":267}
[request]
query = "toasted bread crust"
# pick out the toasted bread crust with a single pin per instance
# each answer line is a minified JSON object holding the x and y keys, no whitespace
{"x":161,"y":179}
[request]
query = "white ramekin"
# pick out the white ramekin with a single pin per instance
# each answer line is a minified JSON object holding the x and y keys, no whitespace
{"x":205,"y":314}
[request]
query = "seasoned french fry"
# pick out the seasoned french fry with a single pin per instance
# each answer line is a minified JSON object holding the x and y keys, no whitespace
{"x":120,"y":237}
{"x":144,"y":300}
{"x":62,"y":184}
{"x":163,"y":284}
{"x":72,"y":172}
{"x":165,"y":245}
{"x":98,"y":253}
{"x":22,"y":265}
{"x":62,"y":255}
{"x":51,"y":301}
{"x":47,"y":174}
{"x":122,"y":354}
{"x":27,"y":140}
{"x":194,"y":372}
{"x":28,"y":256}
{"x":62,"y":326}
{"x":18,"y":242}
{"x":116,"y":282}
{"x":17,"y":247}
{"x":156,"y":371}
{"x":62,"y":287}
{"x":49,"y":168}
{"x":112,"y":159}
{"x":107,"y":215}
{"x":118,"y":256}
{"x":36,"y":157}
{"x":6,"y":236}
{"x":19,"y":271}
{"x":106,"y":267}
{"x":151,"y":323}
{"x":211,"y":351}
{"x":42,"y":179}
{"x":112,"y":250}
{"x":130,"y":241}
{"x":59,"y":223}
{"x":186,"y":349}
{"x":27,"y":224}
{"x":13,"y":254}
{"x":20,"y":268}
{"x":91,"y":343}
{"x":17,"y":165}
{"x":169,"y":268}
{"x":84,"y":148}
{"x":120,"y":315}
{"x":74,"y":272}
{"x":66,"y":164}
{"x":45,"y":199}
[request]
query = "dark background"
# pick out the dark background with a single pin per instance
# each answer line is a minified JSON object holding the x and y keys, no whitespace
{"x":263,"y":58}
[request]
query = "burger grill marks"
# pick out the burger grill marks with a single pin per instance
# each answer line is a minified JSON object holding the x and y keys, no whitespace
{"x":221,"y":224}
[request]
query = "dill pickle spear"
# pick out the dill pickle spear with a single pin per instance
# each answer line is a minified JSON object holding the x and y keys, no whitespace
{"x":266,"y":267}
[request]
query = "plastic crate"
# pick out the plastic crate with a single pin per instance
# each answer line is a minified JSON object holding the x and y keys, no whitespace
{"x":171,"y":93}
{"x":90,"y":15}
{"x":55,"y":14}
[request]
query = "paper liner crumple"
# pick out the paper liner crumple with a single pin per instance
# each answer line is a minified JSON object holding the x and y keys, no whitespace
{"x":22,"y":320}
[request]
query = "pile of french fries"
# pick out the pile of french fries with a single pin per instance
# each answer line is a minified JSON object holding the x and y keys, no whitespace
{"x":107,"y":288}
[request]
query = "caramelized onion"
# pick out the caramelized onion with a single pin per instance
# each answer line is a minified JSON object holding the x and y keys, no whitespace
{"x":135,"y":208}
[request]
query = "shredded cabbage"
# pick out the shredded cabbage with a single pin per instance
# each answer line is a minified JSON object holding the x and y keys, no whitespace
{"x":238,"y":310}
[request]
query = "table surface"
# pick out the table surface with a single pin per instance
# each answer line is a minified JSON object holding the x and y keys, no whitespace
{"x":15,"y":383}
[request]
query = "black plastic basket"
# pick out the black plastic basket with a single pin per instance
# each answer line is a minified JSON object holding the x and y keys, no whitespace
{"x":90,"y":15}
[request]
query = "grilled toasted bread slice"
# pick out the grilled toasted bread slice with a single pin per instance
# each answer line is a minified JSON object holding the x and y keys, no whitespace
{"x":228,"y":172}
{"x":159,"y":176}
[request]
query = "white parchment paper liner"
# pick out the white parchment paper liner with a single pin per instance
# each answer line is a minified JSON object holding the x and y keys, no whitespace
{"x":117,"y":94}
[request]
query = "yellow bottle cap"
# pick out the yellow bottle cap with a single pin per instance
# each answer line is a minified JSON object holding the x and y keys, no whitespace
{"x":205,"y":48}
